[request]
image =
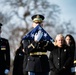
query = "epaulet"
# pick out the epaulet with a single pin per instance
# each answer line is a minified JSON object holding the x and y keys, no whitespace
{"x":3,"y":39}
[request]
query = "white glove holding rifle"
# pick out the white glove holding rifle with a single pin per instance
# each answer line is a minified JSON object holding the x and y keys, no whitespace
{"x":38,"y":36}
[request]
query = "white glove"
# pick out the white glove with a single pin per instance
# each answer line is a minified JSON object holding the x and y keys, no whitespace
{"x":38,"y":35}
{"x":6,"y":71}
{"x":73,"y":69}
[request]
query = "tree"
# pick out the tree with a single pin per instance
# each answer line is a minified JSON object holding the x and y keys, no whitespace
{"x":65,"y":28}
{"x":18,"y":13}
{"x":15,"y":16}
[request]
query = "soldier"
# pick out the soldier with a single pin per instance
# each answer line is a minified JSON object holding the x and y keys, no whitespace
{"x":4,"y":55}
{"x":60,"y":58}
{"x":37,"y":61}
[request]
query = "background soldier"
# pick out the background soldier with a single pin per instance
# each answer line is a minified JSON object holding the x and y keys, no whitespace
{"x":4,"y":55}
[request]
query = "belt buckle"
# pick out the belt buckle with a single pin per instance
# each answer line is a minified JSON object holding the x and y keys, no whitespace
{"x":39,"y":53}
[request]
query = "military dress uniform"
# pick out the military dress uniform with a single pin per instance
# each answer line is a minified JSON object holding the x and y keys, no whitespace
{"x":37,"y":61}
{"x":60,"y":61}
{"x":4,"y":55}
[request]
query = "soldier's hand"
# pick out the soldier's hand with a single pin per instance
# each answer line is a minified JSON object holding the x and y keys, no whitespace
{"x":38,"y":36}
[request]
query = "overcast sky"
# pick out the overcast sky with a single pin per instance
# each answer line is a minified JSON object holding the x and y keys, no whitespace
{"x":68,"y":9}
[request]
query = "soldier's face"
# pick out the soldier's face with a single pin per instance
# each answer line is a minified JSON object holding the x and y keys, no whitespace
{"x":60,"y":41}
{"x":35,"y":24}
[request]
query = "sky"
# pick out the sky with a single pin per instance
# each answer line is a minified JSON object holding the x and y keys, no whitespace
{"x":68,"y":9}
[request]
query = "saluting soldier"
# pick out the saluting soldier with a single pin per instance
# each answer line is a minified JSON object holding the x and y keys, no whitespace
{"x":37,"y":61}
{"x":4,"y":55}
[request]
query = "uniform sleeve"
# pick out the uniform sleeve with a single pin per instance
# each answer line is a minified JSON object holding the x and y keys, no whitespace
{"x":29,"y":46}
{"x":47,"y":45}
{"x":7,"y":55}
{"x":50,"y":46}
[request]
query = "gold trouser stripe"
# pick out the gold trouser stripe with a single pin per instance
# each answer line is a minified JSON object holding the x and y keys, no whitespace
{"x":38,"y":53}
